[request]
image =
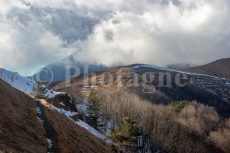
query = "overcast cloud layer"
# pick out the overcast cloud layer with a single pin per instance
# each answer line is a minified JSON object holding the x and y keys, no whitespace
{"x":112,"y":32}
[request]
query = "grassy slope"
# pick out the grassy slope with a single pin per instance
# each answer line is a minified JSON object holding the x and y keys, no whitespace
{"x":20,"y":131}
{"x":218,"y":68}
{"x":70,"y":138}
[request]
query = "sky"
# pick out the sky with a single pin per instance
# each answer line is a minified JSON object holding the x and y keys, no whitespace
{"x":35,"y":33}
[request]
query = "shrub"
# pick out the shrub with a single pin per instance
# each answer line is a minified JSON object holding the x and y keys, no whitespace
{"x":221,"y":139}
{"x":93,"y":108}
{"x":178,"y":106}
{"x":126,"y":134}
{"x":198,"y":118}
{"x":159,"y":123}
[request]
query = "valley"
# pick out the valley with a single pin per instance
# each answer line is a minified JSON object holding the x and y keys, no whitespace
{"x":144,"y":90}
{"x":210,"y":90}
{"x":114,"y":76}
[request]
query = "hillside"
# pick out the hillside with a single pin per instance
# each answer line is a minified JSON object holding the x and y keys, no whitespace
{"x":21,"y":131}
{"x":209,"y":90}
{"x":22,"y":83}
{"x":68,"y":137}
{"x":219,"y":68}
{"x":173,"y":118}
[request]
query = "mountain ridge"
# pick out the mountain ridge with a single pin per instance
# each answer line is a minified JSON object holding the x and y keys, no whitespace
{"x":219,"y":68}
{"x":58,"y":71}
{"x":207,"y":89}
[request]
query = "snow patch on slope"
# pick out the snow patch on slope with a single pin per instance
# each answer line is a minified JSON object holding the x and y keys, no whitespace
{"x":51,"y":94}
{"x":66,"y":113}
{"x":81,"y":123}
{"x":177,"y":71}
{"x":22,"y":83}
{"x":91,"y":130}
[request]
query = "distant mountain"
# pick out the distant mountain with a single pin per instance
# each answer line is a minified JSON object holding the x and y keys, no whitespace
{"x":65,"y":69}
{"x":219,"y":68}
{"x":179,"y":66}
{"x":207,"y":89}
{"x":24,"y":84}
{"x":17,"y":81}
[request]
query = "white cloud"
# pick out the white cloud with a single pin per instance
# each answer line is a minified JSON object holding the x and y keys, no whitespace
{"x":190,"y":31}
{"x":29,"y":45}
{"x":37,"y":33}
{"x":111,"y":32}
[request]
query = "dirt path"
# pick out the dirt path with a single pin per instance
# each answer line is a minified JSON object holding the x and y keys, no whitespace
{"x":46,"y":125}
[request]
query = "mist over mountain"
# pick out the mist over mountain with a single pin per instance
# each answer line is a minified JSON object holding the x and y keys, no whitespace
{"x":65,"y":69}
{"x":114,"y":76}
{"x":118,"y":33}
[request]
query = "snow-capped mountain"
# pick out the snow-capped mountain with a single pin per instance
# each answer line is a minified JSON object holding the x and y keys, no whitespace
{"x":17,"y":81}
{"x":22,"y":83}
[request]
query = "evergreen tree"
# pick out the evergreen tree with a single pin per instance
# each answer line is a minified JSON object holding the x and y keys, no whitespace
{"x":39,"y":90}
{"x":126,"y":136}
{"x":93,"y":108}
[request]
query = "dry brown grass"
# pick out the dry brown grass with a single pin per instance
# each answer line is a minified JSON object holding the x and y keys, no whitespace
{"x":70,"y":138}
{"x":20,"y":131}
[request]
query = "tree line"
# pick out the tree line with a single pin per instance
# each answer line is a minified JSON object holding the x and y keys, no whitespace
{"x":175,"y":128}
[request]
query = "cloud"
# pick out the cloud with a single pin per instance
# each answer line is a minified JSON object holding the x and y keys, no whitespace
{"x":32,"y":44}
{"x":34,"y":34}
{"x":159,"y":32}
{"x":165,"y":33}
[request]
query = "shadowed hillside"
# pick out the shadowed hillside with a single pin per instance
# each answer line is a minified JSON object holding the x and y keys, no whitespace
{"x":219,"y":68}
{"x":21,"y":131}
{"x":70,"y":138}
{"x":209,"y":90}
